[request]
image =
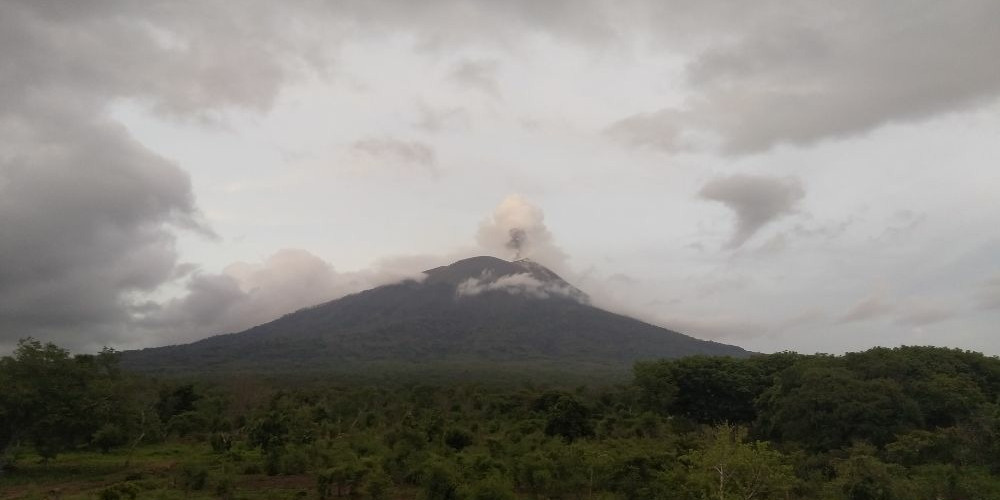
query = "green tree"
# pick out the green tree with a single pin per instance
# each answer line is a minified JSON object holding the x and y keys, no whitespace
{"x":440,"y":480}
{"x":702,"y":388}
{"x":568,"y":418}
{"x":728,"y":467}
{"x":657,"y":387}
{"x":53,"y":400}
{"x":862,"y":476}
{"x":825,"y":408}
{"x":492,"y":487}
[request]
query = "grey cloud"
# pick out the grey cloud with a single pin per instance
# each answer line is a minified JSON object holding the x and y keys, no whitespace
{"x":480,"y":75}
{"x":658,"y":130}
{"x":826,"y":230}
{"x":759,"y":75}
{"x":872,"y":307}
{"x":781,"y":73}
{"x":902,"y":224}
{"x":445,"y":24}
{"x":988,"y":295}
{"x":396,"y":152}
{"x":755,"y":200}
{"x":622,"y":279}
{"x":714,"y":328}
{"x":180,"y":60}
{"x":247,"y":294}
{"x":924,"y":313}
{"x":88,"y":217}
{"x":805,"y":318}
{"x":773,"y":246}
{"x":432,"y":119}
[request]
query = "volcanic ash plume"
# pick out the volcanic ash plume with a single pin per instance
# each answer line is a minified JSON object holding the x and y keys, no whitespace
{"x":517,"y":240}
{"x":517,"y":230}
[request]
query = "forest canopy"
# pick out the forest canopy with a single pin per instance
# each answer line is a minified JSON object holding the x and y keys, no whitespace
{"x":903,"y":423}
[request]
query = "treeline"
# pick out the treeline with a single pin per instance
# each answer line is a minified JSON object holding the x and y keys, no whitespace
{"x":905,"y":423}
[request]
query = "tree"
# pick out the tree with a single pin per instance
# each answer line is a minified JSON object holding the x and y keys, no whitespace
{"x":53,"y":400}
{"x":947,"y":399}
{"x":825,"y":408}
{"x":862,"y":476}
{"x":728,"y":467}
{"x":492,"y":487}
{"x":702,"y":388}
{"x":569,"y":419}
{"x":657,"y":388}
{"x":440,"y":481}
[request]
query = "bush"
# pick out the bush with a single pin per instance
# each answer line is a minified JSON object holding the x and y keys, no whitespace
{"x":457,"y":439}
{"x":221,"y":442}
{"x":193,"y":477}
{"x":440,"y":481}
{"x":225,"y":486}
{"x":294,"y":461}
{"x":491,"y":488}
{"x":377,"y":485}
{"x":109,"y":436}
{"x":120,"y":491}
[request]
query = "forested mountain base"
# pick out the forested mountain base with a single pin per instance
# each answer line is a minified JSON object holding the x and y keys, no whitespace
{"x":906,"y":423}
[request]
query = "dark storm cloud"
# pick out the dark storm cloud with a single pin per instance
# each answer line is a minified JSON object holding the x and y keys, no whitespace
{"x":755,"y":200}
{"x":88,"y":216}
{"x":797,"y":73}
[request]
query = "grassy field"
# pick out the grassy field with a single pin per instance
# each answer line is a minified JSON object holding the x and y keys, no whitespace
{"x":168,"y":471}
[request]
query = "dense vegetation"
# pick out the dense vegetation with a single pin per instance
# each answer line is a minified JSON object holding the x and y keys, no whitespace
{"x":906,"y":423}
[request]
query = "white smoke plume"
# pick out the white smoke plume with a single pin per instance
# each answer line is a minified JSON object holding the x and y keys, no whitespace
{"x":517,"y":230}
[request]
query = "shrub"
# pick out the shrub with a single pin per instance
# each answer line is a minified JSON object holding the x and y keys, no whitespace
{"x":109,"y":436}
{"x":193,"y":477}
{"x":120,"y":491}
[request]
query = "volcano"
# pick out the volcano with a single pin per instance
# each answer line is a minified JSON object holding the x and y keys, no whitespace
{"x":481,"y":311}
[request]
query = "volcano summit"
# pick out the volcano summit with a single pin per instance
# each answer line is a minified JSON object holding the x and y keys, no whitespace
{"x":481,"y":311}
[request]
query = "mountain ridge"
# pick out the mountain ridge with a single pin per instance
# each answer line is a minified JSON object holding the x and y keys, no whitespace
{"x":480,"y":310}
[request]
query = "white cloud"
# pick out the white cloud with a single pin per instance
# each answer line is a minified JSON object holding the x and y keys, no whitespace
{"x":516,"y":284}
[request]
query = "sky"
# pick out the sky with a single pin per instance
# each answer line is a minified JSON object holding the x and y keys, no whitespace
{"x":809,"y":176}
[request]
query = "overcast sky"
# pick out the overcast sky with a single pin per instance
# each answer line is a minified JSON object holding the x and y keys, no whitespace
{"x":809,"y":176}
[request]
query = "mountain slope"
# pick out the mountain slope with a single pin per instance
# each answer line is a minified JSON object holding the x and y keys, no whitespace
{"x":475,"y":311}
